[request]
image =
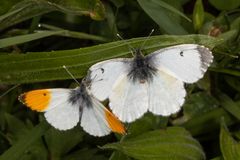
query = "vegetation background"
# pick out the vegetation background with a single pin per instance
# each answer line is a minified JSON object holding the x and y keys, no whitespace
{"x":37,"y":37}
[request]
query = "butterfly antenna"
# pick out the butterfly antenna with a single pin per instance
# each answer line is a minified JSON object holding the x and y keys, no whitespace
{"x":120,"y":37}
{"x":70,"y":74}
{"x":147,"y":39}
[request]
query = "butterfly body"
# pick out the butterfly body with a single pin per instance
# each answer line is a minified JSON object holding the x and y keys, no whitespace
{"x":140,"y":68}
{"x":80,"y":96}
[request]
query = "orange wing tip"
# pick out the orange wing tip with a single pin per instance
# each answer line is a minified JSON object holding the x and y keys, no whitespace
{"x":37,"y":100}
{"x":114,"y":123}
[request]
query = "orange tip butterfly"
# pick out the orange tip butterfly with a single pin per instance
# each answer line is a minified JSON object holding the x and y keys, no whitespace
{"x":152,"y":83}
{"x":64,"y":108}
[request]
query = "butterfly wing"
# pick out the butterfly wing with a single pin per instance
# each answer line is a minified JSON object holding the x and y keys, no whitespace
{"x":166,"y":94}
{"x":59,"y":112}
{"x":186,"y":62}
{"x":128,"y":99}
{"x":104,"y":74}
{"x":99,"y":121}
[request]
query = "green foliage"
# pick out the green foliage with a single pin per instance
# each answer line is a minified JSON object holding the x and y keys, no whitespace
{"x":27,"y":9}
{"x":38,"y":37}
{"x":198,"y":15}
{"x":221,"y":4}
{"x":159,"y":144}
{"x":229,"y":146}
{"x":162,"y":9}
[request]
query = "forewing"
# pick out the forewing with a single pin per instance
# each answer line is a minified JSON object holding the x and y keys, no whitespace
{"x":166,"y":94}
{"x":186,"y":62}
{"x":129,"y":100}
{"x":59,"y":112}
{"x":98,"y":121}
{"x":104,"y":74}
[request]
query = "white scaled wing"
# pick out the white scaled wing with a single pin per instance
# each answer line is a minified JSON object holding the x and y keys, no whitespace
{"x":186,"y":62}
{"x":98,"y":121}
{"x":129,"y":100}
{"x":166,"y":94}
{"x":61,"y":114}
{"x":93,"y":120}
{"x":104,"y":74}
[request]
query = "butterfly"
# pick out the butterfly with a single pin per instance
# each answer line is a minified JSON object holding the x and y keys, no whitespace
{"x":152,"y":83}
{"x":64,"y":108}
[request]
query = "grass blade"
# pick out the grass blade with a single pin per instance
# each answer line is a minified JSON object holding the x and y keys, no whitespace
{"x":26,"y":38}
{"x":43,"y":66}
{"x":19,"y":148}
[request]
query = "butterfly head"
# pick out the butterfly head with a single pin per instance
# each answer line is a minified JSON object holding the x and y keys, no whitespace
{"x":137,"y":53}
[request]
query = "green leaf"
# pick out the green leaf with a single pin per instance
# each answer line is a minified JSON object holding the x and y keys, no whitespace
{"x":197,"y":104}
{"x":230,"y":148}
{"x":111,"y":21}
{"x":43,"y":66}
{"x":144,"y":124}
{"x":25,"y":142}
{"x":229,"y":105}
{"x":16,"y":128}
{"x":61,"y":142}
{"x":6,"y":5}
{"x":118,"y":3}
{"x":225,"y":5}
{"x":85,"y":154}
{"x":161,"y":9}
{"x":217,"y":158}
{"x":198,"y":15}
{"x":225,"y":71}
{"x":65,"y":33}
{"x":117,"y":155}
{"x":172,"y":143}
{"x":211,"y":119}
{"x":147,"y":123}
{"x":26,"y":38}
{"x":233,"y":82}
{"x":30,"y":8}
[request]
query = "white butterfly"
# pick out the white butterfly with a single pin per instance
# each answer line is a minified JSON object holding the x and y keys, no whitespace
{"x":64,"y":108}
{"x":152,"y":83}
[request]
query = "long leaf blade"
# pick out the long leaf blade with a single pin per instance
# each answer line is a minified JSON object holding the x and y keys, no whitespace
{"x":43,"y":66}
{"x":26,"y":38}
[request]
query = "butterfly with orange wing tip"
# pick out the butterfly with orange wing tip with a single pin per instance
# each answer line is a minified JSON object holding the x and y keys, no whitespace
{"x":64,"y":108}
{"x":152,"y":83}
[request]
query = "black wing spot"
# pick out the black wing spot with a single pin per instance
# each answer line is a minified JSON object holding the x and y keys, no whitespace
{"x":44,"y":94}
{"x":181,"y":53}
{"x":102,"y":70}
